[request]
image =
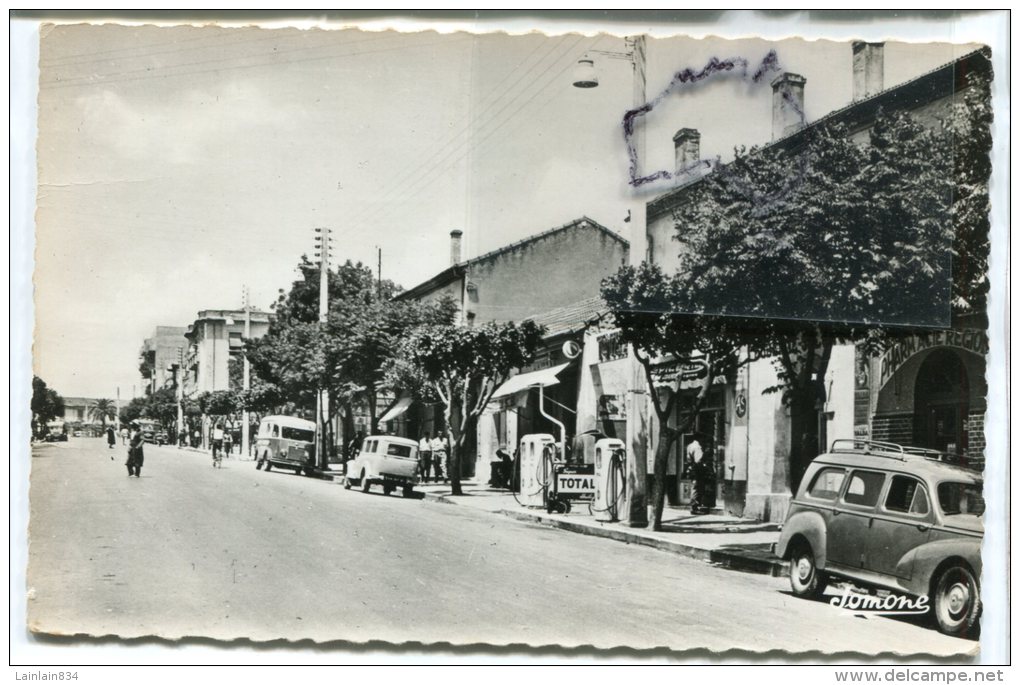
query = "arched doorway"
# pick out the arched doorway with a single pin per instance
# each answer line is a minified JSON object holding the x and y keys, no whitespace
{"x":941,"y":399}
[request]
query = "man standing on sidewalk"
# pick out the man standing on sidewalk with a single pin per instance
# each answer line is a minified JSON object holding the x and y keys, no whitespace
{"x":438,"y":445}
{"x":425,"y":457}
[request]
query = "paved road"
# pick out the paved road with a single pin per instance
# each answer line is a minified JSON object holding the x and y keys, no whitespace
{"x":187,"y":550}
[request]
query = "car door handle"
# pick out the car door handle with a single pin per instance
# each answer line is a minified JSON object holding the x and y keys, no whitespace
{"x":923,"y":527}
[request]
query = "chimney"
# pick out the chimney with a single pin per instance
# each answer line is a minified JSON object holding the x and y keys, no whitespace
{"x":787,"y":104}
{"x":687,"y":144}
{"x":868,"y":69}
{"x":455,"y":235}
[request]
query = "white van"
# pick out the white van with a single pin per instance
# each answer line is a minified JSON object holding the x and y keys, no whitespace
{"x":385,"y":459}
{"x":285,"y":442}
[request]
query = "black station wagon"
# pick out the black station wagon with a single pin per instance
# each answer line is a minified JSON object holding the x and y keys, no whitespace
{"x":885,"y":516}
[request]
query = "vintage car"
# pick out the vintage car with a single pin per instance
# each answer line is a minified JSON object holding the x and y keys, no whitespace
{"x":889,"y":517}
{"x":384,"y":459}
{"x":285,"y":442}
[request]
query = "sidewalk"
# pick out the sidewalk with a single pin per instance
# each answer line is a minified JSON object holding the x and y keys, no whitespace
{"x":727,"y":541}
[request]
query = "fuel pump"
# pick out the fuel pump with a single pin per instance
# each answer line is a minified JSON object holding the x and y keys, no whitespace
{"x":536,"y":457}
{"x":610,"y":479}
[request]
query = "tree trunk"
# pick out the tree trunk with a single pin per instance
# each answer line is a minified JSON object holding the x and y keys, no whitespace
{"x":666,"y":439}
{"x":454,"y":465}
{"x":373,"y":428}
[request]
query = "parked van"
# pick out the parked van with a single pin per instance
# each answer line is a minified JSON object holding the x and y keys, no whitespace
{"x":285,"y":442}
{"x":892,"y":517}
{"x":385,"y":459}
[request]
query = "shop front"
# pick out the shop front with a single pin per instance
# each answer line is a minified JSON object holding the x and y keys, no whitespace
{"x":927,"y":391}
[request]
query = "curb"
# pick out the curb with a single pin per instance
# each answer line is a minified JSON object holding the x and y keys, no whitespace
{"x":737,"y":562}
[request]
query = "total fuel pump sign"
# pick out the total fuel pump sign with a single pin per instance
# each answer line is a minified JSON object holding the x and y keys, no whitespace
{"x":575,"y":481}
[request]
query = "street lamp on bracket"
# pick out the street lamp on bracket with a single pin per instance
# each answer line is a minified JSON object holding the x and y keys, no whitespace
{"x":586,"y":77}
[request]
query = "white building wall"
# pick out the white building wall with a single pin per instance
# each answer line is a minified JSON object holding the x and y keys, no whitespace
{"x":839,"y":386}
{"x":768,"y":446}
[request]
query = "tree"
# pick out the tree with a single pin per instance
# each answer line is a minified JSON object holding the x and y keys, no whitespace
{"x":46,"y":404}
{"x":651,"y":310}
{"x":162,"y":406}
{"x":220,"y":404}
{"x":971,"y":131}
{"x":299,"y":357}
{"x":829,"y":242}
{"x":134,"y":410}
{"x":463,"y":366}
{"x":103,"y":410}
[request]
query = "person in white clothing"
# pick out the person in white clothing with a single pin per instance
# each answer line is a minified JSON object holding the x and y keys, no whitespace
{"x":439,"y":455}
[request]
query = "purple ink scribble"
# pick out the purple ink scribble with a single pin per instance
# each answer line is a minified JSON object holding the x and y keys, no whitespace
{"x":681,"y":79}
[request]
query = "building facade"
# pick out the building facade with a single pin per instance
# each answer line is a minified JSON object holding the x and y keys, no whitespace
{"x":568,"y":261}
{"x":216,"y":337}
{"x":160,"y":354}
{"x":927,"y":391}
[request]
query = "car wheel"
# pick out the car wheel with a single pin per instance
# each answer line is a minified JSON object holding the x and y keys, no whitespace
{"x":387,"y":488}
{"x":297,"y":471}
{"x":347,"y":483}
{"x":957,"y":600}
{"x":365,"y":485}
{"x":408,"y":491}
{"x":805,"y":578}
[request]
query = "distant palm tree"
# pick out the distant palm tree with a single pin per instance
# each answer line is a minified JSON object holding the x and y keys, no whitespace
{"x":102,"y":410}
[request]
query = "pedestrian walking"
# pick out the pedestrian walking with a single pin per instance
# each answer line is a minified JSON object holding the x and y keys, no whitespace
{"x":439,"y":455}
{"x":228,"y":442}
{"x":136,"y":455}
{"x":124,"y":435}
{"x":217,"y":446}
{"x":111,"y":437}
{"x":425,"y":457}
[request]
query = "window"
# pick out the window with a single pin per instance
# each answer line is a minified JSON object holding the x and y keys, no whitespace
{"x":369,"y":446}
{"x":906,"y":495}
{"x":864,"y":488}
{"x":300,"y":434}
{"x":827,"y":484}
{"x":961,"y":498}
{"x":276,"y":431}
{"x":398,"y":450}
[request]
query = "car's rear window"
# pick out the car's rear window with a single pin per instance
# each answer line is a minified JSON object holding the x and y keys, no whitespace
{"x":961,"y":498}
{"x":300,"y":434}
{"x":395,"y":450}
{"x":864,"y":488}
{"x":827,"y":483}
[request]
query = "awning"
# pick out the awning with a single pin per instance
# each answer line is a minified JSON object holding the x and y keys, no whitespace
{"x":532,"y":379}
{"x":397,"y":409}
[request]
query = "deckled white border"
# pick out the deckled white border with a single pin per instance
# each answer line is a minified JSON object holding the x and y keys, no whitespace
{"x":990,"y":29}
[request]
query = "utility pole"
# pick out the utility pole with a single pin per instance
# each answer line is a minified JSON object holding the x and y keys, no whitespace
{"x":246,"y":383}
{"x":118,"y":409}
{"x":378,"y":287}
{"x":179,"y":382}
{"x":322,"y":400}
{"x":636,"y":503}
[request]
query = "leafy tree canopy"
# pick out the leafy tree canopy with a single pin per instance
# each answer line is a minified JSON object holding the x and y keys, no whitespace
{"x":463,"y":366}
{"x":47,"y":404}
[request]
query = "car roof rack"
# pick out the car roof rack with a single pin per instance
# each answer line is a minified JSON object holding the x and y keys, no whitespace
{"x":878,"y":448}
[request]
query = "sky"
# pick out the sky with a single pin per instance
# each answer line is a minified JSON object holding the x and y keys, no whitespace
{"x":178,"y":164}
